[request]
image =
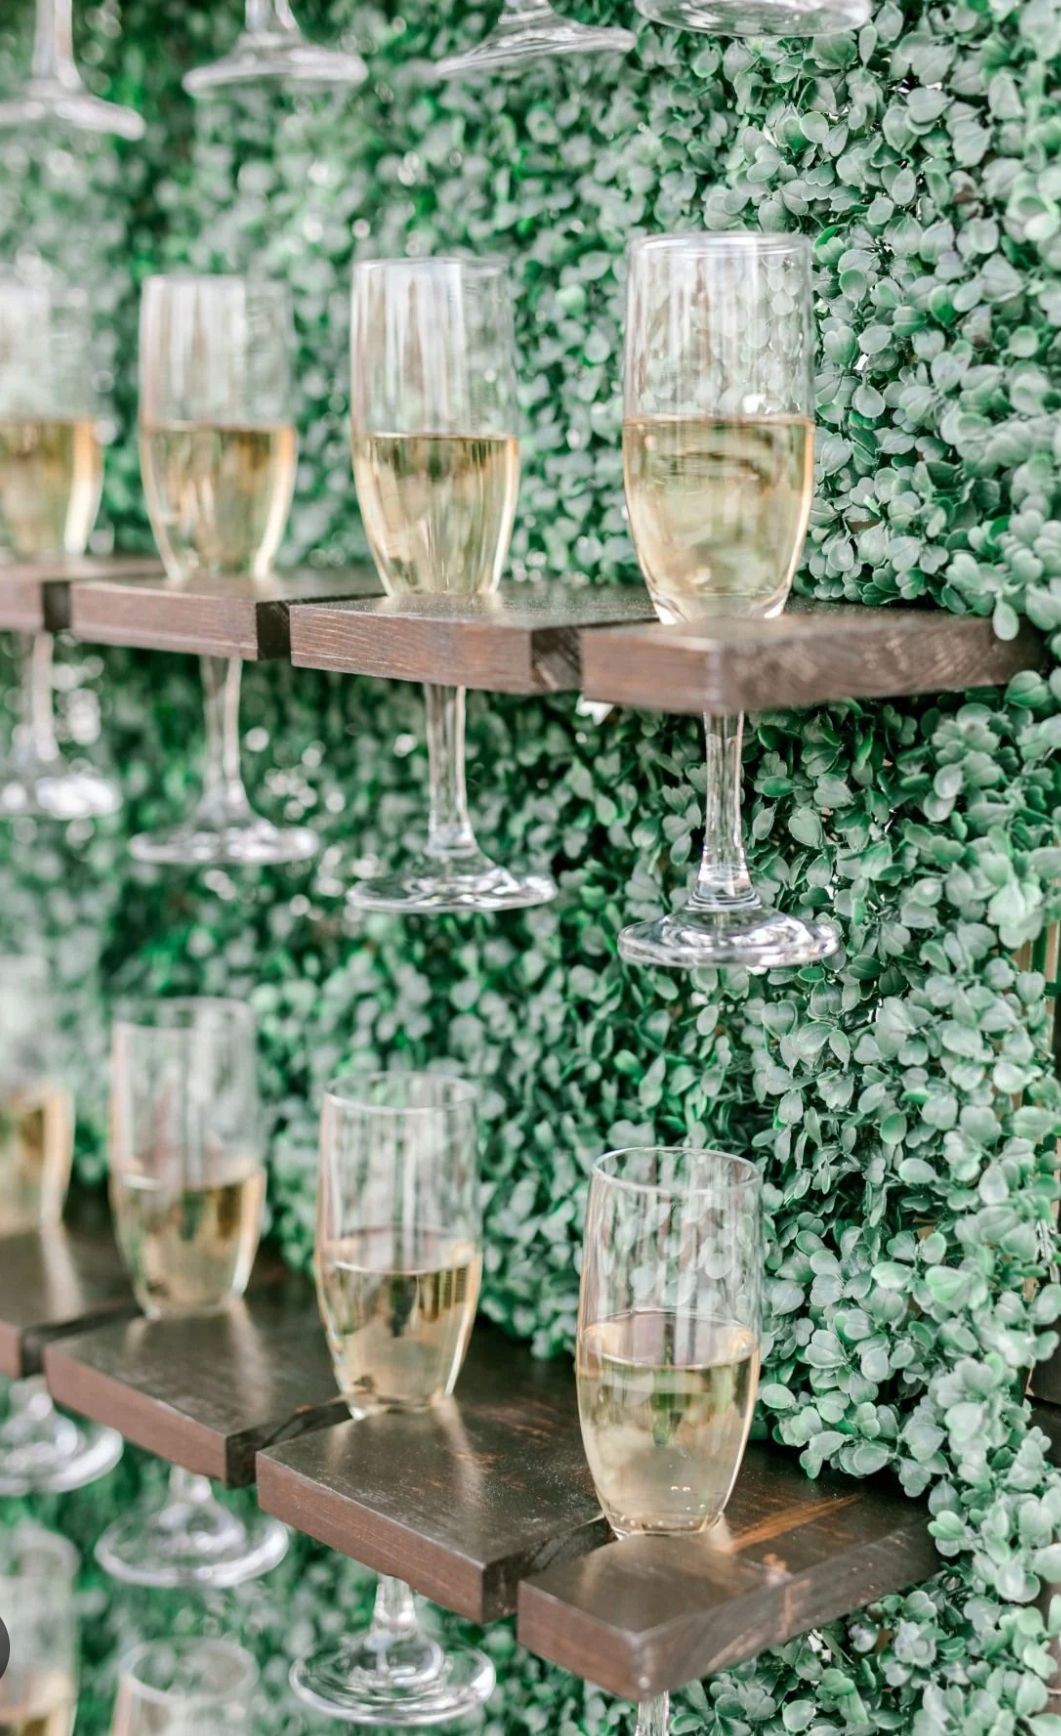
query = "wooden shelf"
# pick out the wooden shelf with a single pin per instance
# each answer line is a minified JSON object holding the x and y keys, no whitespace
{"x":206,"y":1393}
{"x":813,"y":653}
{"x":461,"y":1501}
{"x":35,"y":595}
{"x":236,"y":617}
{"x":57,"y":1281}
{"x":523,"y":639}
{"x":648,"y":1614}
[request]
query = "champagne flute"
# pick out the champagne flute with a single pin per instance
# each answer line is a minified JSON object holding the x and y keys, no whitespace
{"x":187,"y":1186}
{"x":668,"y":1340}
{"x":185,"y":1687}
{"x":51,"y":479}
{"x":436,"y":463}
{"x":271,"y":46}
{"x":217,"y":453}
{"x":398,"y":1263}
{"x":54,"y":89}
{"x":41,"y":1451}
{"x":38,"y":1690}
{"x":718,"y":457}
{"x":759,"y":17}
{"x":533,"y":30}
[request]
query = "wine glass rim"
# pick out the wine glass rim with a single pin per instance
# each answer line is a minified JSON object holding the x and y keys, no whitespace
{"x":744,"y":1173}
{"x":487,"y":264}
{"x":258,"y":286}
{"x":183,"y":1644}
{"x":351,"y":1091}
{"x":719,"y":240}
{"x":175,"y":1012}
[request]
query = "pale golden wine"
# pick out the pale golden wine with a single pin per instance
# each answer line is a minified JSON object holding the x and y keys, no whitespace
{"x":665,"y":1404}
{"x":438,"y":509}
{"x":218,"y":498}
{"x":718,"y":509}
{"x":45,"y":1708}
{"x":398,"y":1316}
{"x":36,"y":1146}
{"x":188,"y":1249}
{"x":51,"y":477}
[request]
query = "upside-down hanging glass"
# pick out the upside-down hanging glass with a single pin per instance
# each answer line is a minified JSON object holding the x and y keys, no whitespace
{"x":38,"y":1689}
{"x":718,"y":459}
{"x":759,"y":17}
{"x":55,"y":91}
{"x":217,"y":454}
{"x":185,"y":1687}
{"x":187,"y":1189}
{"x":668,"y":1340}
{"x":271,"y":46}
{"x":436,"y":463}
{"x":534,"y":30}
{"x":398,"y":1260}
{"x":51,"y":478}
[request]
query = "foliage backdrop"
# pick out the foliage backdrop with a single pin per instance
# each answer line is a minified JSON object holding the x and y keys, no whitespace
{"x":901,"y":1102}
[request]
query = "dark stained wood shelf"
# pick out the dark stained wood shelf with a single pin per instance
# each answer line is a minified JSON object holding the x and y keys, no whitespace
{"x":35,"y":595}
{"x":1045,"y":1382}
{"x":238,"y":617}
{"x":648,"y":1614}
{"x":206,"y":1393}
{"x":57,"y":1281}
{"x":523,"y":639}
{"x":461,"y":1501}
{"x":811,"y":654}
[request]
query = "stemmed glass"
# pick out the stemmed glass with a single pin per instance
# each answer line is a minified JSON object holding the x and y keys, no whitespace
{"x":38,"y":1689}
{"x":41,"y":1451}
{"x":185,"y":1687}
{"x":187,"y":1186}
{"x":436,"y":462}
{"x":531,"y":30}
{"x":718,"y":456}
{"x":217,"y":453}
{"x":668,"y":1340}
{"x":759,"y":17}
{"x":398,"y":1262}
{"x":271,"y":45}
{"x":54,"y":89}
{"x":51,"y":478}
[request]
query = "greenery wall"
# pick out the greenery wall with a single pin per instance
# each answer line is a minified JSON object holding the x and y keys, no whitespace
{"x":900,"y":1101}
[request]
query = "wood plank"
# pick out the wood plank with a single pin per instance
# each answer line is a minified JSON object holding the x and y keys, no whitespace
{"x":205,"y":1393}
{"x":35,"y":595}
{"x":236,"y":617}
{"x":1045,"y":1382}
{"x":648,"y":1614}
{"x":56,"y":1281}
{"x":813,"y":653}
{"x":460,"y":1501}
{"x":523,"y":639}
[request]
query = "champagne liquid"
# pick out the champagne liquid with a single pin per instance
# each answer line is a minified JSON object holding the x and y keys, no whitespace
{"x":398,"y":1314}
{"x":45,"y":1708}
{"x":665,"y":1403}
{"x":188,"y":1248}
{"x":438,"y":509}
{"x":51,"y":478}
{"x":718,"y":510}
{"x":218,"y":498}
{"x":36,"y":1147}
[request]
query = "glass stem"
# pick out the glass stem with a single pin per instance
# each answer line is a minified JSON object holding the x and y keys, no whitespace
{"x":449,"y":827}
{"x":653,"y":1716}
{"x":723,"y":881}
{"x":38,"y":720}
{"x":223,"y":792}
{"x":53,"y":43}
{"x":525,"y":11}
{"x":186,"y":1486}
{"x":270,"y":18}
{"x":394,"y":1611}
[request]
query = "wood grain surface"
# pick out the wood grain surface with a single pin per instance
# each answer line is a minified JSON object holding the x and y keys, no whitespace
{"x":57,"y":1281}
{"x":35,"y":595}
{"x":647,"y":1614}
{"x":523,"y":639}
{"x":459,"y":1501}
{"x":809,"y":655}
{"x":237,"y":617}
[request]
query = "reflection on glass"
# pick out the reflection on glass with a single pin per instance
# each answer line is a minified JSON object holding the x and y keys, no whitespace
{"x":185,"y":1687}
{"x":759,"y":17}
{"x":534,"y":30}
{"x":271,"y":46}
{"x":54,"y":90}
{"x":38,"y":1690}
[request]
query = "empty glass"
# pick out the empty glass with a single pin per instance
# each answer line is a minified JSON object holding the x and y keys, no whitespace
{"x":271,"y":46}
{"x":54,"y":89}
{"x":398,"y":1261}
{"x":51,"y":478}
{"x":185,"y":1687}
{"x":532,"y":30}
{"x":759,"y":17}
{"x":187,"y":1185}
{"x":38,"y":1690}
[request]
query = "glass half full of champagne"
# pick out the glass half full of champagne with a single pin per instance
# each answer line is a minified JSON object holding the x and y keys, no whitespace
{"x":36,"y":1107}
{"x":38,"y":1690}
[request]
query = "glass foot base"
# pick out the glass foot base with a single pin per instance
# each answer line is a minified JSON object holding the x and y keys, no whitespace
{"x":294,"y":61}
{"x":759,"y":17}
{"x":517,"y":40}
{"x":436,"y":884}
{"x":754,"y":937}
{"x":46,"y":99}
{"x":360,"y":1685}
{"x":57,"y":792}
{"x":189,"y":1543}
{"x":43,"y":1452}
{"x":248,"y":843}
